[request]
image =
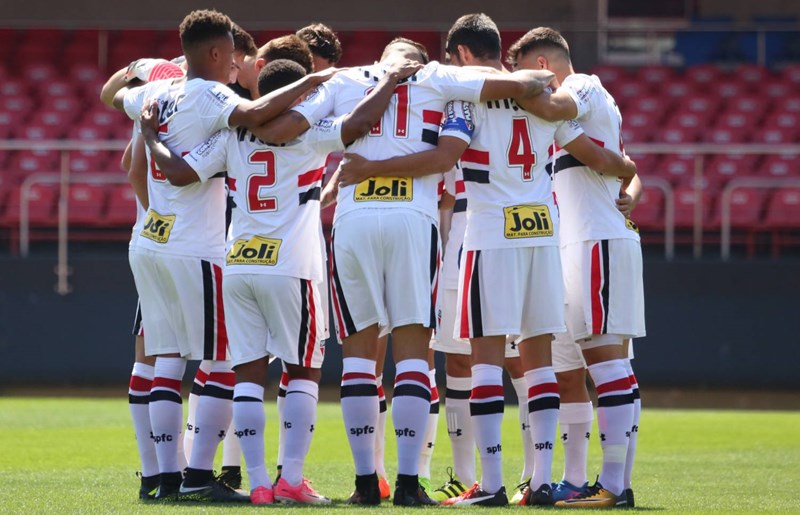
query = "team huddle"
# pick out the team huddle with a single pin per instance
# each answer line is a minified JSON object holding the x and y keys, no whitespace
{"x":480,"y":212}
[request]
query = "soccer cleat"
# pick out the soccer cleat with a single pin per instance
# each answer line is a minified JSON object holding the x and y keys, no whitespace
{"x":453,"y":488}
{"x":169,"y":487}
{"x":594,"y":496}
{"x":520,"y":492}
{"x":404,"y":496}
{"x":148,"y":486}
{"x":566,"y":490}
{"x":301,"y":494}
{"x":366,"y":492}
{"x":384,"y":488}
{"x":262,"y":495}
{"x":231,"y":476}
{"x":479,"y":497}
{"x":542,"y":496}
{"x":629,"y":497}
{"x":212,"y":491}
{"x":425,"y":484}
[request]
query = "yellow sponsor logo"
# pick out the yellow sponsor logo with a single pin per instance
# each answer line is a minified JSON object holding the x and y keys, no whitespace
{"x":157,"y":227}
{"x":630,"y":224}
{"x":527,"y":221}
{"x":385,"y":189}
{"x":255,"y":251}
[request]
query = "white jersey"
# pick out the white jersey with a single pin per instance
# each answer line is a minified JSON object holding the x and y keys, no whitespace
{"x":140,"y":212}
{"x":587,"y":199}
{"x":276,"y":227}
{"x":454,"y":185}
{"x":189,"y":220}
{"x":510,"y":193}
{"x":409,"y":125}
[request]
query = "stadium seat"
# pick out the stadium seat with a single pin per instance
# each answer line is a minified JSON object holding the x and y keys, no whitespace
{"x":728,"y":89}
{"x":39,"y":72}
{"x":41,"y":207}
{"x":775,"y":135}
{"x":752,"y":75}
{"x":783,"y":209}
{"x":725,"y":135}
{"x":703,"y":75}
{"x":656,"y":75}
{"x":677,"y":168}
{"x":653,"y":105}
{"x":646,"y":164}
{"x":31,"y":161}
{"x":649,"y":212}
{"x":609,"y":74}
{"x":791,"y":74}
{"x":121,"y":210}
{"x":747,"y":209}
{"x":39,"y":131}
{"x":56,"y":88}
{"x":688,"y":120}
{"x":781,"y":166}
{"x":735,"y":120}
{"x":83,"y":161}
{"x":20,"y":106}
{"x":723,"y":168}
{"x":675,"y":135}
{"x":86,"y":204}
{"x":636,"y":133}
{"x":677,"y":89}
{"x":85,"y":73}
{"x":685,"y":200}
{"x":88,"y":132}
{"x":629,"y":90}
{"x":781,"y":120}
{"x":778,"y":88}
{"x":13,"y":88}
{"x":789,"y":103}
{"x":703,"y":104}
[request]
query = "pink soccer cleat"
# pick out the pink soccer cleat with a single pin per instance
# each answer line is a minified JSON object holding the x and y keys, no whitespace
{"x":301,"y":494}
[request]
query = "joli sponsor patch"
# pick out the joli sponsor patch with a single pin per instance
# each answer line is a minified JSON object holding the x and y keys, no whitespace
{"x":255,"y":251}
{"x":527,"y":221}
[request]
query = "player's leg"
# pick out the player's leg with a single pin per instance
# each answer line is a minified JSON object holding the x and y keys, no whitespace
{"x":380,"y":429}
{"x":200,"y":378}
{"x":429,"y":440}
{"x":513,"y":366}
{"x":634,"y":436}
{"x":283,"y":383}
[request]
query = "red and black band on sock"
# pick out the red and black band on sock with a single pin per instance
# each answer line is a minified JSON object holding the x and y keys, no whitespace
{"x":413,"y":384}
{"x":486,"y":400}
{"x":358,"y":384}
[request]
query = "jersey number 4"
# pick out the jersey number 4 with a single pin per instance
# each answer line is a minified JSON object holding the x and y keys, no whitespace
{"x":265,"y":179}
{"x":400,"y":114}
{"x":520,"y":148}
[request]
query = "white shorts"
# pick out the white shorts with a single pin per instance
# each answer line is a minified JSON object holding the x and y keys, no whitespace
{"x":603,"y":288}
{"x":517,"y":292}
{"x":385,"y":268}
{"x":567,"y":354}
{"x":182,"y":302}
{"x":275,"y":315}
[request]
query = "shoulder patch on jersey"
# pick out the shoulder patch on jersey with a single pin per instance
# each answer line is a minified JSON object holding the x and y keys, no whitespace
{"x":573,"y":124}
{"x":311,"y":94}
{"x":218,"y":96}
{"x":469,"y":114}
{"x":205,"y":148}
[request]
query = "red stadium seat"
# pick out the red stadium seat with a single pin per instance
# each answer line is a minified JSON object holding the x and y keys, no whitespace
{"x":685,"y":200}
{"x":677,"y":89}
{"x":688,"y":120}
{"x":39,"y":131}
{"x":675,"y":135}
{"x":41,"y":206}
{"x":121,"y":209}
{"x":736,"y":120}
{"x":755,"y":106}
{"x":39,"y":72}
{"x":782,"y":120}
{"x":721,"y":169}
{"x":789,"y":103}
{"x":20,"y":106}
{"x":629,"y":90}
{"x":85,"y":73}
{"x":13,"y":88}
{"x":728,"y":89}
{"x":653,"y":105}
{"x":703,"y":75}
{"x":778,"y":88}
{"x":646,"y":164}
{"x":791,"y":74}
{"x":87,"y":161}
{"x":781,"y":166}
{"x":649,"y":212}
{"x":752,"y":75}
{"x":636,"y":133}
{"x":7,"y":123}
{"x":783,"y":209}
{"x":56,"y":88}
{"x":726,"y":135}
{"x":747,"y":206}
{"x":677,"y":168}
{"x":32,"y":161}
{"x":86,"y":204}
{"x":609,"y":74}
{"x":703,"y":104}
{"x":88,"y":132}
{"x":775,"y":135}
{"x":656,"y":75}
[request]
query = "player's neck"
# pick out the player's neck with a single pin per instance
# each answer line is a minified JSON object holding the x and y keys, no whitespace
{"x":562,"y":72}
{"x":497,"y":64}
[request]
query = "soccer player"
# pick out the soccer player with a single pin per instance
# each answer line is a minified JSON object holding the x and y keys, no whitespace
{"x":244,"y":76}
{"x":602,"y":259}
{"x":182,"y":244}
{"x":385,"y":252}
{"x":326,"y":50}
{"x":510,"y":244}
{"x":273,"y":266}
{"x":289,"y":47}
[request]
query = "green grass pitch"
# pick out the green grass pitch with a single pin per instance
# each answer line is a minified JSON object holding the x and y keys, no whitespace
{"x":79,"y":456}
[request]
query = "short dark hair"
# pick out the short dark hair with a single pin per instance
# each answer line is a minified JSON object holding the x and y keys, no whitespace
{"x":478,"y":33}
{"x":203,"y":25}
{"x":288,"y":47}
{"x":322,"y":41}
{"x":277,"y":74}
{"x":243,"y":41}
{"x":419,"y":46}
{"x":538,"y":39}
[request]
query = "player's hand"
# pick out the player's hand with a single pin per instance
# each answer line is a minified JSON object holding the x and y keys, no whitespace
{"x":354,"y":169}
{"x":149,"y":120}
{"x":625,"y":204}
{"x":148,"y":70}
{"x":535,"y":81}
{"x":630,"y":165}
{"x":324,"y":75}
{"x":404,"y":69}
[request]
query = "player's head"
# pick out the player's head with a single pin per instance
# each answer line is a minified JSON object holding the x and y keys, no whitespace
{"x":326,"y":50}
{"x":404,"y":48}
{"x":540,"y":48}
{"x":244,"y":53}
{"x":287,"y":47}
{"x":207,"y":43}
{"x":473,"y":36}
{"x":277,"y":74}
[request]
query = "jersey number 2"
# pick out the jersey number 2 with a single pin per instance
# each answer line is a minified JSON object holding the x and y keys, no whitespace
{"x":265,"y":179}
{"x":520,"y":148}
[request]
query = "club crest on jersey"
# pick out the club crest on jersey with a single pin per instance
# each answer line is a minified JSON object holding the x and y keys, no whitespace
{"x":255,"y":251}
{"x":157,"y":227}
{"x":527,"y":221}
{"x":385,"y":189}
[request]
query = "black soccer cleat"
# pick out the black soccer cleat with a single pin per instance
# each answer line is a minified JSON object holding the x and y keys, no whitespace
{"x":367,"y":492}
{"x":542,"y":496}
{"x":212,"y":491}
{"x":168,"y":487}
{"x":629,"y":497}
{"x":231,"y":476}
{"x":407,"y":492}
{"x":148,"y":486}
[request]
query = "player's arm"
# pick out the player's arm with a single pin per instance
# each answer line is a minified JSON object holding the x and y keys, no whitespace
{"x":178,"y":171}
{"x":371,"y":108}
{"x":113,"y":91}
{"x":254,"y":113}
{"x":446,"y":205}
{"x":518,"y":85}
{"x":137,"y":172}
{"x":600,"y":159}
{"x":330,"y":191}
{"x":125,"y":160}
{"x":629,"y":195}
{"x":355,"y":168}
{"x":552,"y":107}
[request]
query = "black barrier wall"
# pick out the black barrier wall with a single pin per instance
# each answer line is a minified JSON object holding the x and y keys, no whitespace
{"x":709,"y":324}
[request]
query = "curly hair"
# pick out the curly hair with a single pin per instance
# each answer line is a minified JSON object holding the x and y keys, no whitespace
{"x":288,"y":47}
{"x":538,"y":39}
{"x":322,"y":41}
{"x":203,"y":25}
{"x":277,"y":74}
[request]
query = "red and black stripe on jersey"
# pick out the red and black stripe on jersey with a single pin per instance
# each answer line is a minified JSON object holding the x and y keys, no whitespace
{"x":475,"y":166}
{"x":312,"y":181}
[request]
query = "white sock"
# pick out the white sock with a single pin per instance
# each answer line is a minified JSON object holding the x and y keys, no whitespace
{"x":231,"y":450}
{"x":575,"y":420}
{"x":486,"y":406}
{"x":282,"y":385}
{"x":214,"y":415}
{"x":614,"y":420}
{"x":300,"y":415}
{"x":166,"y":412}
{"x":521,"y":388}
{"x":139,"y":404}
{"x":429,"y":441}
{"x":459,"y":427}
{"x":412,"y":398}
{"x":543,"y":403}
{"x":634,"y":435}
{"x":380,"y":431}
{"x":248,"y":419}
{"x":359,"y":399}
{"x":199,"y":382}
